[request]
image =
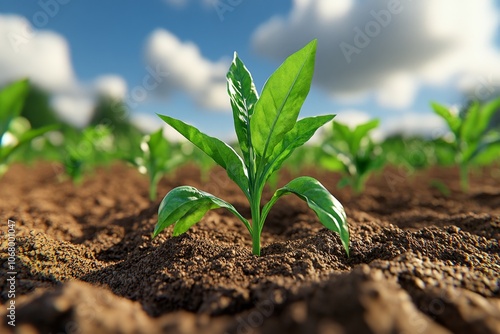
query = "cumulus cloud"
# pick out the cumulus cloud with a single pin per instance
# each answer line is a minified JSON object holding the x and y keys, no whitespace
{"x":388,"y":48}
{"x":414,"y":124}
{"x":189,"y":71}
{"x":44,"y":57}
{"x":148,"y":123}
{"x":74,"y":108}
{"x":349,"y":117}
{"x":112,"y":86}
{"x":352,"y":118}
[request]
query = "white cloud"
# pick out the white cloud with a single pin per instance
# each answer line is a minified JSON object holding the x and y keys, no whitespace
{"x":112,"y":86}
{"x":414,"y":124}
{"x":149,"y":123}
{"x":352,"y":118}
{"x":349,"y":117}
{"x":393,"y":49}
{"x":189,"y":72}
{"x":44,"y":57}
{"x":74,"y":108}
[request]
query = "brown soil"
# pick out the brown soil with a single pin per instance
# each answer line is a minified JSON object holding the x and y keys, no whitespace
{"x":421,"y":261}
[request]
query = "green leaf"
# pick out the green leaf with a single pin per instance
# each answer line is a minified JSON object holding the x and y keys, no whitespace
{"x":332,"y":163}
{"x":12,"y":99}
{"x":450,"y":119}
{"x":482,"y":147}
{"x":360,"y":132}
{"x":488,"y":110}
{"x":157,"y":144}
{"x":26,"y":137}
{"x":488,"y":155}
{"x":279,"y":105}
{"x":342,"y":132}
{"x":243,"y":96}
{"x":469,"y":131}
{"x":328,"y":209}
{"x":223,"y":154}
{"x":185,"y":206}
{"x":303,"y":130}
{"x":155,"y":158}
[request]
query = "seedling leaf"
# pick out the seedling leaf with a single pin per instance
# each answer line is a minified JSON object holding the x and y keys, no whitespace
{"x":12,"y":99}
{"x":353,"y":153}
{"x":303,"y":130}
{"x":268,"y":132}
{"x":328,"y":209}
{"x":279,"y":105}
{"x":243,"y":96}
{"x":184,"y":206}
{"x":450,"y":119}
{"x":223,"y":154}
{"x":361,"y":131}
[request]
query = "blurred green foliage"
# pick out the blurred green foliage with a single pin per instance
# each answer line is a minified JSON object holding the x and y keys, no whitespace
{"x":475,"y":138}
{"x":30,"y":130}
{"x":15,"y":130}
{"x":353,"y":153}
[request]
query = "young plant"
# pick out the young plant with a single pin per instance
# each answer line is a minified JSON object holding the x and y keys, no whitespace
{"x":84,"y":150}
{"x":157,"y":159}
{"x":411,"y":153}
{"x":268,"y":132}
{"x":353,"y":153}
{"x":15,"y":130}
{"x":474,"y":136}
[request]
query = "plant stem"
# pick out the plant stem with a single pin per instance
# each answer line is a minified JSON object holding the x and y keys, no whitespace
{"x":153,"y":185}
{"x":357,"y":184}
{"x":255,"y":209}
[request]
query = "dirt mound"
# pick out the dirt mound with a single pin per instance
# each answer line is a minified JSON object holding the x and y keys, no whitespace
{"x":421,"y":261}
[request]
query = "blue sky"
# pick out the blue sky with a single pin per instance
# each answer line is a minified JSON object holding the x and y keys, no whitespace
{"x":420,"y":53}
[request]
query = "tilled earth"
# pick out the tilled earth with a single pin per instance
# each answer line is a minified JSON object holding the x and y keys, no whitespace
{"x":422,"y":261}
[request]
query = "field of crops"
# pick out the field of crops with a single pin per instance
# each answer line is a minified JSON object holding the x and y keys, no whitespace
{"x":114,"y":230}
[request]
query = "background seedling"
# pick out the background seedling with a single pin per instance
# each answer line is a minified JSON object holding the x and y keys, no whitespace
{"x":84,"y":150}
{"x":475,"y":138}
{"x":158,"y":157}
{"x":15,"y":130}
{"x":268,"y":132}
{"x":353,"y":153}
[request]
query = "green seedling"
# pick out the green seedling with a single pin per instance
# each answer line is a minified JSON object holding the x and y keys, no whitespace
{"x":203,"y":162}
{"x":84,"y":150}
{"x":474,"y":137}
{"x":268,"y":132}
{"x":353,"y":153}
{"x":15,"y":130}
{"x":441,"y":187}
{"x":157,"y":159}
{"x":410,"y":153}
